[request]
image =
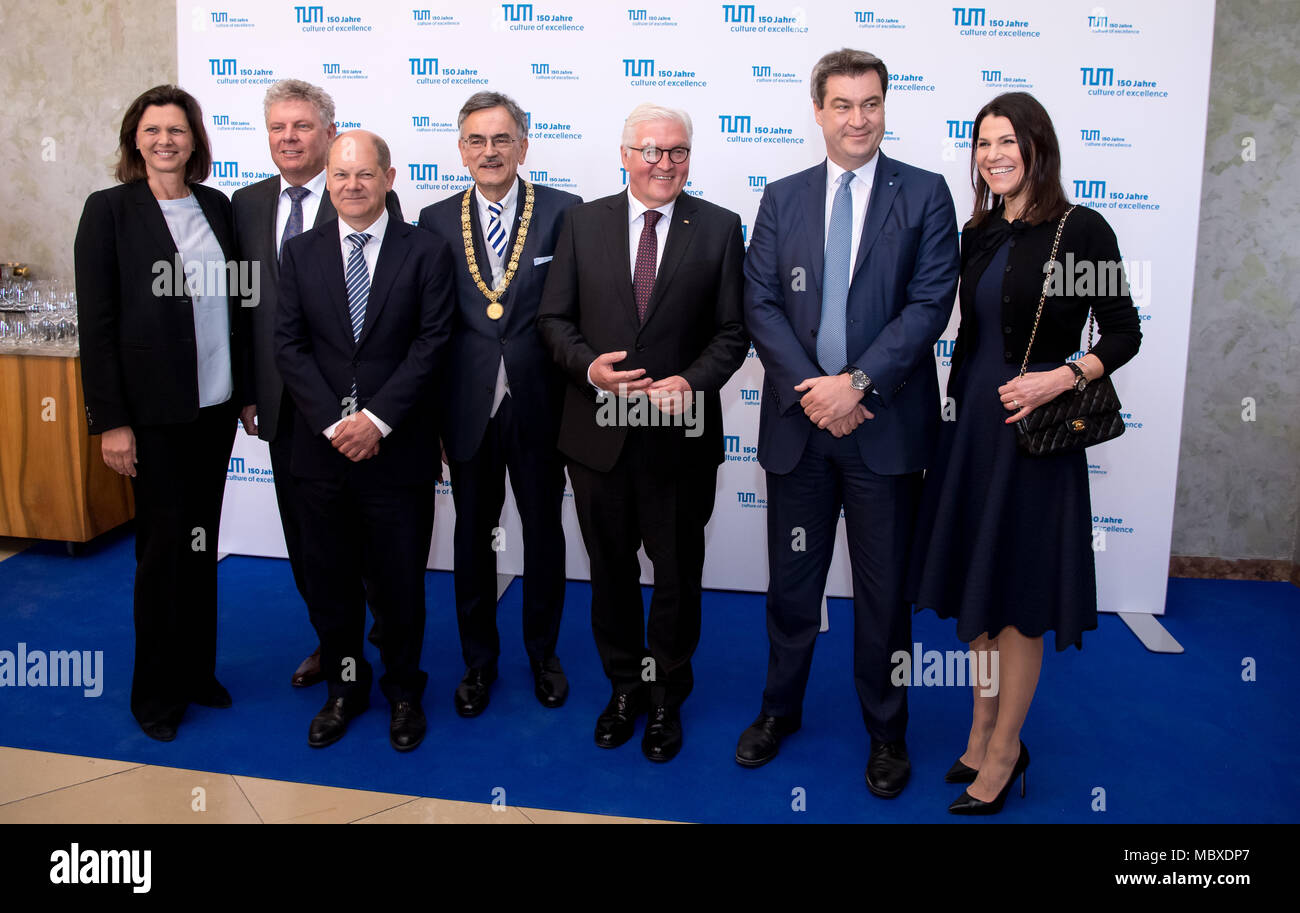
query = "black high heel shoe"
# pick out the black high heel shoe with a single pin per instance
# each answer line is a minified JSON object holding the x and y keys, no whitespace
{"x":960,"y":773}
{"x":966,"y":804}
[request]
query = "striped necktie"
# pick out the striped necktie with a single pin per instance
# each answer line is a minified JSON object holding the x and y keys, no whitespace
{"x":358,"y":281}
{"x":496,"y":233}
{"x":293,"y":227}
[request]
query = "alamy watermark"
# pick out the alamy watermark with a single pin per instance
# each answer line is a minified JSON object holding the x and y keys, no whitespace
{"x":660,"y":410}
{"x":25,"y":668}
{"x":956,"y":668}
{"x":177,"y":278}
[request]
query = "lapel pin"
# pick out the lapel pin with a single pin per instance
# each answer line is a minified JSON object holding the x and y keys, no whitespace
{"x":686,"y":221}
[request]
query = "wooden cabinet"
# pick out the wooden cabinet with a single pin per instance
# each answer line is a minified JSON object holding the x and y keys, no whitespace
{"x":53,"y":481}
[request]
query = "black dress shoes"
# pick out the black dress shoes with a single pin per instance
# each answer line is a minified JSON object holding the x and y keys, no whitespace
{"x":472,"y":693}
{"x":960,"y":773}
{"x":549,"y":682}
{"x":617,"y":722}
{"x":329,"y":725}
{"x":308,"y":672}
{"x":888,"y":768}
{"x":759,"y":743}
{"x":213,"y":694}
{"x":406,"y":731}
{"x":663,"y":734}
{"x":163,"y":732}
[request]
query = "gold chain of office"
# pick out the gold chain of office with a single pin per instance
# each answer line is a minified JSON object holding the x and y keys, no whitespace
{"x":494,"y":308}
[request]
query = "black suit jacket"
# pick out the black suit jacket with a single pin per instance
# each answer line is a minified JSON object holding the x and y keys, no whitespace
{"x":255,"y":209}
{"x":479,"y":343}
{"x":139,"y":362}
{"x":693,"y":326}
{"x":1086,"y":238}
{"x":394,"y":363}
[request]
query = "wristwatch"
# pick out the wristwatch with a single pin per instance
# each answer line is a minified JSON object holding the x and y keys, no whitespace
{"x":858,"y":379}
{"x":1080,"y":379}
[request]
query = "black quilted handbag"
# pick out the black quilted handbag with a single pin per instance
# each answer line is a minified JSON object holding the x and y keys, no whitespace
{"x":1074,"y":419}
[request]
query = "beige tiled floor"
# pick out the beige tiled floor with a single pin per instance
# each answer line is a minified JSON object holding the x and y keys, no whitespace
{"x":41,"y":787}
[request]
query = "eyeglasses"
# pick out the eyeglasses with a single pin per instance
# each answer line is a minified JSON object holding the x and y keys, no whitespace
{"x":653,"y":154}
{"x":500,"y":141}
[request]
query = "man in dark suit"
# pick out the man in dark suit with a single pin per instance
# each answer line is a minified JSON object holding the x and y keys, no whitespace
{"x":642,"y":311}
{"x":503,"y":397}
{"x":299,"y":129}
{"x":850,"y":279}
{"x":364,"y":313}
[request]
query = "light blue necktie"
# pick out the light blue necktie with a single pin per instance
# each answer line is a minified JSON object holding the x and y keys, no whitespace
{"x":293,"y":227}
{"x":832,"y":349}
{"x":496,"y":233}
{"x":358,"y":282}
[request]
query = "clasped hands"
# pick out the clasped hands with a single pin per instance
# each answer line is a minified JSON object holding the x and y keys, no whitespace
{"x":1022,"y":395}
{"x":831,"y":403}
{"x":670,"y":395}
{"x":357,"y":437}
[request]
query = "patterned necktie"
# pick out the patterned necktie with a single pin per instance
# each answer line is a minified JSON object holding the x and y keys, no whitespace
{"x":293,"y":228}
{"x":832,"y":348}
{"x":643,"y":277}
{"x":496,"y":233}
{"x":358,"y":281}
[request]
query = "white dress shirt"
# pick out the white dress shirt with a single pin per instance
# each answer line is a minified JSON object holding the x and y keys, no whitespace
{"x":371,"y":254}
{"x":498,"y":265}
{"x":860,"y":190}
{"x":310,"y":205}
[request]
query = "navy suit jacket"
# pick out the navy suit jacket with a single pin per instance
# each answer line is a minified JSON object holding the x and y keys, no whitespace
{"x":479,"y":343}
{"x":395,"y":361}
{"x":901,"y":294}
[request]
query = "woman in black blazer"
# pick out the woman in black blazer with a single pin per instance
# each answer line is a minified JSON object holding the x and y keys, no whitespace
{"x":164,"y":376}
{"x":1004,"y":539}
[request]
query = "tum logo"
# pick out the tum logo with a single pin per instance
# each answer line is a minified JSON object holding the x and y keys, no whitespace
{"x":970,"y":15}
{"x":1086,"y":135}
{"x":330,"y":68}
{"x":517,"y":12}
{"x":636,"y":15}
{"x":220,"y":120}
{"x":757,"y":180}
{"x":225,"y":66}
{"x":422,"y":171}
{"x":623,"y":172}
{"x":732,"y":12}
{"x":731,"y":443}
{"x":734,"y":123}
{"x":640,"y":67}
{"x":541,"y":68}
{"x":419,"y":120}
{"x":746,"y":497}
{"x":1098,"y":76}
{"x":960,"y":129}
{"x":865,"y":17}
{"x":991,"y":75}
{"x":225,"y":169}
{"x":1096,"y":22}
{"x":537,"y":176}
{"x":424,"y":66}
{"x":218,"y":17}
{"x":749,"y":396}
{"x":309,"y":13}
{"x":762,"y":71}
{"x":1090,"y":190}
{"x":236,"y":465}
{"x":420,"y":15}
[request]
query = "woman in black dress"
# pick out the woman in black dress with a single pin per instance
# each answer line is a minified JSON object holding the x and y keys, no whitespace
{"x":1004,"y":539}
{"x":164,"y":377}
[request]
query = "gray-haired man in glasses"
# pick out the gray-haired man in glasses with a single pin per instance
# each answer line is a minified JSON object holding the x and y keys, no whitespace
{"x":642,"y":311}
{"x":502,"y":407}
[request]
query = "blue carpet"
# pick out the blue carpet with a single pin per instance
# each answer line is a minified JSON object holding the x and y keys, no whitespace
{"x":1168,"y":738}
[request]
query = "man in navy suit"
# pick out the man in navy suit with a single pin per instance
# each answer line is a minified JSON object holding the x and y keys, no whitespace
{"x":365,"y":310}
{"x":850,"y":279}
{"x":503,"y":397}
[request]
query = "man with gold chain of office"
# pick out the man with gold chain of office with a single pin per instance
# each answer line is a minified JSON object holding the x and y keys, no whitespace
{"x":503,"y":397}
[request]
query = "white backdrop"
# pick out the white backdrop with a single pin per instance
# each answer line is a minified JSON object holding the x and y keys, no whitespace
{"x":1126,"y":85}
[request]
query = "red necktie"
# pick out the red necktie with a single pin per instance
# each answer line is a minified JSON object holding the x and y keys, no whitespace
{"x":643,"y":277}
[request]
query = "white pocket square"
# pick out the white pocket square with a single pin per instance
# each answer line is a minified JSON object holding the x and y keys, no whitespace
{"x":538,"y":261}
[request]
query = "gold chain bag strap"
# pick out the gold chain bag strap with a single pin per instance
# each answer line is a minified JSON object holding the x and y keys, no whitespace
{"x":1074,"y":419}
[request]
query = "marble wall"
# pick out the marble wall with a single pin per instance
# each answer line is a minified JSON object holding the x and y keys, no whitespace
{"x":70,"y":68}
